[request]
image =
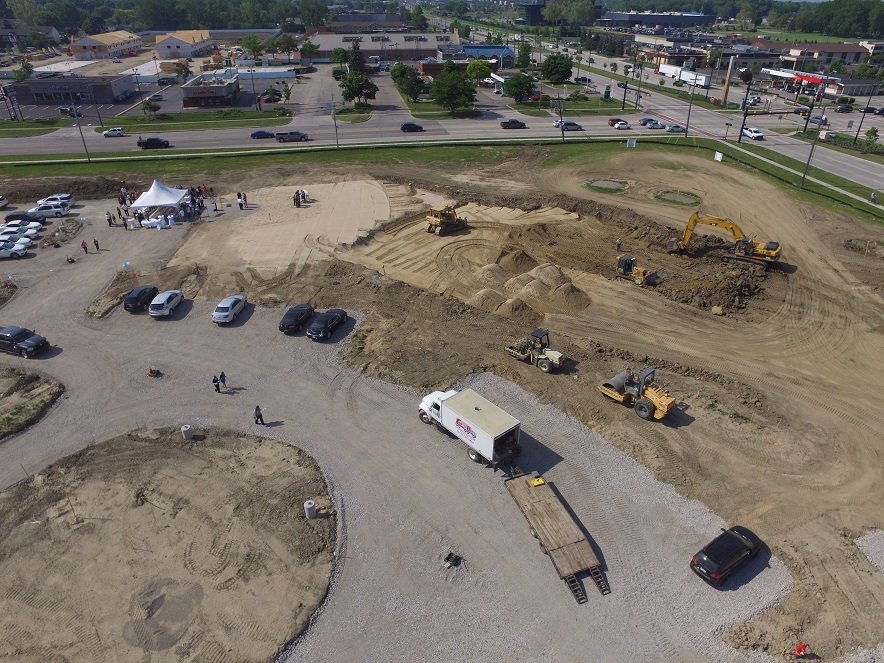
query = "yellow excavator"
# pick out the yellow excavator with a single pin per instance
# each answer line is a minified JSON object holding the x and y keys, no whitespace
{"x":744,"y":248}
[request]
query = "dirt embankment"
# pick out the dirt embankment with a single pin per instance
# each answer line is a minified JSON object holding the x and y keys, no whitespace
{"x":24,"y":398}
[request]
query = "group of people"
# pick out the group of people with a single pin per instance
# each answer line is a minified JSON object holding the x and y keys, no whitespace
{"x":242,"y":200}
{"x":219,"y":382}
{"x":301,"y":196}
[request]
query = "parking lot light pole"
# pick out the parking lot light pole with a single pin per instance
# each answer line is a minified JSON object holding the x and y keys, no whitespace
{"x":727,"y":128}
{"x":140,"y":93}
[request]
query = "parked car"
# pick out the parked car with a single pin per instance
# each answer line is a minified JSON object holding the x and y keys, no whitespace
{"x":23,"y":216}
{"x":295,"y":318}
{"x":10,"y":250}
{"x":844,"y":108}
{"x":23,"y":342}
{"x":621,"y":125}
{"x":49,"y":209}
{"x":676,"y":129}
{"x":66,"y":199}
{"x":880,"y":111}
{"x":228,"y":308}
{"x":582,"y":80}
{"x":325,"y":323}
{"x":156,"y":97}
{"x":614,"y":120}
{"x":262,"y":133}
{"x":139,"y":298}
{"x":512,"y":124}
{"x":656,"y":124}
{"x":114,"y":132}
{"x":409,"y":127}
{"x":821,"y":120}
{"x":21,"y":232}
{"x":15,"y":237}
{"x":869,"y":109}
{"x":165,"y":303}
{"x":753,"y":133}
{"x":152,"y":143}
{"x":754,"y":100}
{"x":36,"y":226}
{"x":4,"y":201}
{"x":569,"y":125}
{"x":645,"y":121}
{"x":724,"y":554}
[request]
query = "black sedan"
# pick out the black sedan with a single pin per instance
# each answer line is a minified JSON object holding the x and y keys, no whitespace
{"x":725,"y":554}
{"x":24,"y":216}
{"x":512,"y":124}
{"x":295,"y":318}
{"x":140,"y":298}
{"x":409,"y":127}
{"x":262,"y":133}
{"x":325,"y":323}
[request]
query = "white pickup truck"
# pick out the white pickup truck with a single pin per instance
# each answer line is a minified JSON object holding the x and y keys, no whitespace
{"x":490,"y":434}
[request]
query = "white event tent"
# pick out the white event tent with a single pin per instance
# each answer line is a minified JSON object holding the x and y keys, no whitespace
{"x":160,"y":195}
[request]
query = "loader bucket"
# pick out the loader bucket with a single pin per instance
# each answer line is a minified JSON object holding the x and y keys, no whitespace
{"x":618,"y":382}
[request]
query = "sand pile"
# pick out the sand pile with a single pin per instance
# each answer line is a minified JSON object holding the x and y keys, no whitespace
{"x":487,"y":300}
{"x":516,"y":262}
{"x":569,"y":298}
{"x":492,"y":275}
{"x":549,"y":275}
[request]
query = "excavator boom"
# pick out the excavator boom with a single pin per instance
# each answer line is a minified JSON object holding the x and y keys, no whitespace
{"x":744,"y":248}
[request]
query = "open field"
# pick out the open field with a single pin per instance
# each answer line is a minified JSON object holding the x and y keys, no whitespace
{"x":777,"y":428}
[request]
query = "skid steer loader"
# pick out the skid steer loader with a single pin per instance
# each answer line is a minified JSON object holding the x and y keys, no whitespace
{"x":647,"y":399}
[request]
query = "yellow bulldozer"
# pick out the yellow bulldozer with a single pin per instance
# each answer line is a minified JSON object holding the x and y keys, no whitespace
{"x":647,"y":399}
{"x":628,"y":268}
{"x":744,"y":249}
{"x":444,"y":220}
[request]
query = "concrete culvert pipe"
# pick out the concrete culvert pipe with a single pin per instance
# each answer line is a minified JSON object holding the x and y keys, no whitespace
{"x":187,"y":432}
{"x":310,"y":509}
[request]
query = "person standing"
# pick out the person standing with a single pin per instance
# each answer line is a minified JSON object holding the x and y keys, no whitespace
{"x":295,"y":199}
{"x":110,"y":219}
{"x":239,"y":200}
{"x":259,"y":416}
{"x":84,"y":246}
{"x":216,"y":383}
{"x":223,"y":380}
{"x":97,"y":248}
{"x":245,"y":200}
{"x":619,"y":243}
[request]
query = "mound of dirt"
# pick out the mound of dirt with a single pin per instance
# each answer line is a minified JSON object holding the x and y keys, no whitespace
{"x":534,"y":293}
{"x":487,"y":300}
{"x":66,"y":230}
{"x":518,"y":310}
{"x":187,"y":278}
{"x":868,"y":247}
{"x":731,"y":290}
{"x":27,"y":190}
{"x":569,"y":298}
{"x":8,"y":288}
{"x":516,"y":261}
{"x":549,"y":275}
{"x":515,"y":284}
{"x":492,"y":275}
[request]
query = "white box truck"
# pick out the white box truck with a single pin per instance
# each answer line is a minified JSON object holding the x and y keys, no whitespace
{"x":490,"y":434}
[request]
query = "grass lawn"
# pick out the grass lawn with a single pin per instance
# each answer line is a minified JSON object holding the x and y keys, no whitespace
{"x":785,"y":36}
{"x":353,"y":118}
{"x":843,"y":143}
{"x":11,"y":129}
{"x":220,"y":119}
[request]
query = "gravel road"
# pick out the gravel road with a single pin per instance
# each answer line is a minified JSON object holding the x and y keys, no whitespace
{"x":408,"y":494}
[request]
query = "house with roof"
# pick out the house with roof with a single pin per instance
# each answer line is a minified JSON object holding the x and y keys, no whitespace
{"x":184,"y":44}
{"x":14,"y":33}
{"x":107,"y":45}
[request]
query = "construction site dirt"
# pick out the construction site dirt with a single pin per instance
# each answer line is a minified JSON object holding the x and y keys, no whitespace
{"x":779,"y":415}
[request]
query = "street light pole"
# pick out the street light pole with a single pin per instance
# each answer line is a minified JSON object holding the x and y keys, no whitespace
{"x":687,"y":126}
{"x":862,"y":118}
{"x":335,"y":120}
{"x":254,"y":94}
{"x":727,"y":128}
{"x":140,"y":93}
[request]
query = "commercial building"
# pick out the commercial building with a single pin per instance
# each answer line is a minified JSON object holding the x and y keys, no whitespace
{"x":652,"y":19}
{"x":212,"y":89}
{"x":184,"y":44}
{"x":390,"y":46}
{"x":363,"y":22}
{"x":117,"y":44}
{"x":67,"y":90}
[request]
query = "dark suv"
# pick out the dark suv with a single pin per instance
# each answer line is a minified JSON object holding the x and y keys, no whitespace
{"x":295,"y":318}
{"x":140,"y":298}
{"x":724,"y":554}
{"x":152,"y":143}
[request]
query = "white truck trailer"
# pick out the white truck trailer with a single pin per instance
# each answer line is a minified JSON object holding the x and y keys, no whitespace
{"x":490,"y":434}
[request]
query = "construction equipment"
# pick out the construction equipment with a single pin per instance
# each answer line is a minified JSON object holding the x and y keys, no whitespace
{"x":535,"y":350}
{"x":744,"y":248}
{"x":648,"y":400}
{"x":628,"y":268}
{"x":444,"y":220}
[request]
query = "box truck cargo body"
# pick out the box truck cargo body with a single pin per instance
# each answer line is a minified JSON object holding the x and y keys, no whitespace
{"x":489,"y":433}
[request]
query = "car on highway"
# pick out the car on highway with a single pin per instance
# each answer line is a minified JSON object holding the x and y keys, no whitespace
{"x":645,"y":121}
{"x":753,"y":133}
{"x":36,"y":226}
{"x":656,"y":124}
{"x":165,"y":303}
{"x":325,"y":323}
{"x":512,"y":124}
{"x":152,"y":143}
{"x":614,"y":120}
{"x":724,"y":554}
{"x":295,"y":318}
{"x":582,"y":80}
{"x":409,"y":127}
{"x":10,"y":250}
{"x":676,"y":129}
{"x":26,"y":343}
{"x":621,"y":84}
{"x":821,"y":120}
{"x":23,"y":216}
{"x":66,"y":199}
{"x":49,"y":209}
{"x":568,"y":125}
{"x":114,"y":132}
{"x":4,"y":201}
{"x":15,"y":237}
{"x":262,"y":133}
{"x":139,"y":298}
{"x":228,"y":308}
{"x":623,"y":124}
{"x":291,"y":137}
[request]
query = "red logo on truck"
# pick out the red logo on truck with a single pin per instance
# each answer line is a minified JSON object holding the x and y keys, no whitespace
{"x":466,"y":428}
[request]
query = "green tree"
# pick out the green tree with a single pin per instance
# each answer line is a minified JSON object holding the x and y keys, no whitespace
{"x":518,"y":86}
{"x":451,"y":90}
{"x":613,"y":67}
{"x":872,"y":135}
{"x":418,"y":20}
{"x":398,"y":72}
{"x":308,"y":50}
{"x":182,"y":70}
{"x":313,"y":12}
{"x":557,"y":68}
{"x":580,"y":13}
{"x":286,"y":92}
{"x":339,"y":55}
{"x":358,"y":86}
{"x":408,"y":81}
{"x":493,"y":38}
{"x":150,"y":107}
{"x":24,"y":72}
{"x":252,"y":44}
{"x":523,"y":55}
{"x":286,"y":43}
{"x":462,"y":29}
{"x":355,"y":58}
{"x":478,"y":69}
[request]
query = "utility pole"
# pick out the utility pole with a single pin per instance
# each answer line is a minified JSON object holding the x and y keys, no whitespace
{"x":746,"y":77}
{"x":335,"y":120}
{"x":561,"y":120}
{"x":864,"y":113}
{"x":76,"y":99}
{"x":687,"y":125}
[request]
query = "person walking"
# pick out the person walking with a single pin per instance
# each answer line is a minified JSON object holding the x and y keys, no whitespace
{"x":259,"y":416}
{"x":97,"y":248}
{"x":110,"y":219}
{"x":223,"y":380}
{"x":216,"y":383}
{"x":619,"y":243}
{"x":295,"y":199}
{"x":84,"y":246}
{"x":873,"y":198}
{"x":239,"y":200}
{"x":245,"y":200}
